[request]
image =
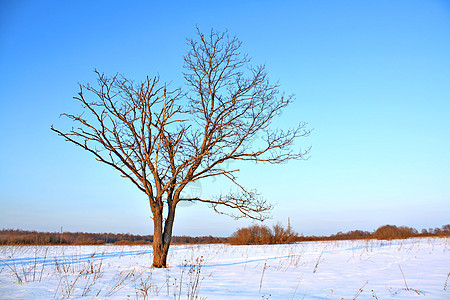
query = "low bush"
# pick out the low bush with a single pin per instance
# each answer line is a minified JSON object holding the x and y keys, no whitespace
{"x":261,"y":235}
{"x":390,"y":232}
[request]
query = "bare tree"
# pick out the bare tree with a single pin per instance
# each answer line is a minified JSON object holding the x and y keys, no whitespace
{"x":162,"y":140}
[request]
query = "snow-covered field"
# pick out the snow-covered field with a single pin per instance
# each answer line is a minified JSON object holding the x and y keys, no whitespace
{"x":400,"y":269}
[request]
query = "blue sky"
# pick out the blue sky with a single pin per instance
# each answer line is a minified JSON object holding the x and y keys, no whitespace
{"x":371,"y":77}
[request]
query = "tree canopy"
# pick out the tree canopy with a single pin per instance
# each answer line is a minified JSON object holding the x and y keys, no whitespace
{"x":162,"y":139}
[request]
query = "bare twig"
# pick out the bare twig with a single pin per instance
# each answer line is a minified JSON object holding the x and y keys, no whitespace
{"x":361,"y":289}
{"x":318,"y":261}
{"x":262,"y":276}
{"x":446,"y":282}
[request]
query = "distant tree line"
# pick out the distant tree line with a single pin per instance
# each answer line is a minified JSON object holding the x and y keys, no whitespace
{"x":254,"y":234}
{"x":260,"y":234}
{"x":385,"y":232}
{"x":24,"y":237}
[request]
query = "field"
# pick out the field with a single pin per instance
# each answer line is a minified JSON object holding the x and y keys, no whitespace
{"x":364,"y":269}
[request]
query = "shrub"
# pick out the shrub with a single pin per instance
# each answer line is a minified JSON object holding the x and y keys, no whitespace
{"x":252,"y":235}
{"x":281,"y":235}
{"x":261,"y":235}
{"x":390,"y":232}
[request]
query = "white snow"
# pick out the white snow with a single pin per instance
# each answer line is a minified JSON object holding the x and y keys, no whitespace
{"x":399,"y":269}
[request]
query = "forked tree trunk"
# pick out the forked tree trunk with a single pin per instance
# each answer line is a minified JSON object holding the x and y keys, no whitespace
{"x":160,"y":255}
{"x":161,"y":239}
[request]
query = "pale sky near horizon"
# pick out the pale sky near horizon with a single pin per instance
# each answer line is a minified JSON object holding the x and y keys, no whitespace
{"x":372,"y":78}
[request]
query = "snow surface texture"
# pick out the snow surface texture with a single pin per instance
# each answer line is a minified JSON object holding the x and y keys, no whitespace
{"x":399,"y":269}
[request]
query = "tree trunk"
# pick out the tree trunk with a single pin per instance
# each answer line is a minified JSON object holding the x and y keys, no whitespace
{"x":162,"y":238}
{"x":160,"y":255}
